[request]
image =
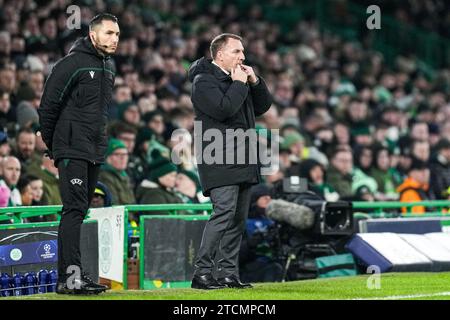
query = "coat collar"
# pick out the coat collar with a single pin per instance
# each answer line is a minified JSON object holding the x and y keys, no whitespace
{"x":219,"y":73}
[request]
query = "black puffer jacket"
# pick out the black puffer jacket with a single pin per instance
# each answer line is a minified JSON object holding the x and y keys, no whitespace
{"x":221,"y":103}
{"x":74,"y":107}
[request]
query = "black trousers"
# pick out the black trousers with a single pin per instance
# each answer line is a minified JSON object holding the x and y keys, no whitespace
{"x":222,"y":235}
{"x":77,"y":180}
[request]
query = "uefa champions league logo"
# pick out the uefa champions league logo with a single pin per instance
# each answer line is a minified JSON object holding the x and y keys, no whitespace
{"x":47,"y":249}
{"x":48,"y":254}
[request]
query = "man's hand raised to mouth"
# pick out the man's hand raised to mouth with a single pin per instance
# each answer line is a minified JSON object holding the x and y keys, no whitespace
{"x":252,"y":78}
{"x":239,"y":74}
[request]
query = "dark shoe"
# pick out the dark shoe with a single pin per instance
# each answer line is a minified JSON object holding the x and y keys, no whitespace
{"x":61,"y":288}
{"x":85,"y":285}
{"x":234,"y":282}
{"x":92,"y":284}
{"x":206,"y":282}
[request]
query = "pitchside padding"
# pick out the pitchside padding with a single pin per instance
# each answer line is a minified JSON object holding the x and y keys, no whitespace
{"x":33,"y":246}
{"x":420,"y":225}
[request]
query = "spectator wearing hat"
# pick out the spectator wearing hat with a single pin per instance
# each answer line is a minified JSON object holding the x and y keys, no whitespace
{"x":295,"y":143}
{"x":361,"y":136}
{"x":440,"y":170}
{"x":416,"y":186}
{"x":188,"y":186}
{"x":113,"y":173}
{"x":129,"y":113}
{"x":28,"y":103}
{"x":159,"y":187}
{"x":315,"y":173}
{"x":167,"y":99}
{"x":102,"y":196}
{"x":364,"y":193}
{"x":127,"y":134}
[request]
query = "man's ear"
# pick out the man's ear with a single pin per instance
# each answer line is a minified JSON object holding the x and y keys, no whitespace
{"x":92,"y":36}
{"x":219,"y":55}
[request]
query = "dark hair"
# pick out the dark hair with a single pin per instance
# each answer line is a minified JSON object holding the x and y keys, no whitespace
{"x":98,"y":19}
{"x":122,"y":127}
{"x":341,"y":148}
{"x":2,"y":92}
{"x":25,"y":181}
{"x":24,"y":130}
{"x":417,"y":164}
{"x":180,"y":112}
{"x":119,"y":86}
{"x":220,"y":41}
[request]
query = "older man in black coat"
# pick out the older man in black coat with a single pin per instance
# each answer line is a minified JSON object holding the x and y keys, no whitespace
{"x":226,"y":95}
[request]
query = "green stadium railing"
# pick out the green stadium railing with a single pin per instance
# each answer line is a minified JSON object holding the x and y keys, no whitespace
{"x":439,"y":208}
{"x":376,"y":209}
{"x":18,"y":214}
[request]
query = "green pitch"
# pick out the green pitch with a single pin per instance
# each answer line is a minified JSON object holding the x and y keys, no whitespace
{"x":392,"y":286}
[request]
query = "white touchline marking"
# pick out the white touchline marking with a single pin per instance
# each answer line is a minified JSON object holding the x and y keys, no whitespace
{"x":412,"y":296}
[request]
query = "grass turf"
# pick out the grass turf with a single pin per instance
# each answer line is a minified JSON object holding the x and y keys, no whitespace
{"x":393,"y":286}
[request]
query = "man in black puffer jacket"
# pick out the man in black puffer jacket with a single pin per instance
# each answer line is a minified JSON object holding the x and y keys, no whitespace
{"x":73,"y":117}
{"x":226,"y":94}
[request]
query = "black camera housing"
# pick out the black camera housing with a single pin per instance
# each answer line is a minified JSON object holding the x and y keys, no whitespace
{"x":331,"y":218}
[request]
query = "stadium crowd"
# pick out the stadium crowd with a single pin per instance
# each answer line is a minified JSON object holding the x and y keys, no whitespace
{"x":355,"y":127}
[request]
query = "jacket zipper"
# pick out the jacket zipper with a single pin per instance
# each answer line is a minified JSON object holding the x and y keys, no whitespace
{"x":101,"y":87}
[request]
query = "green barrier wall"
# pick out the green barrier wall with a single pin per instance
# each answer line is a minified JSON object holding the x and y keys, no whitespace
{"x":371,"y":209}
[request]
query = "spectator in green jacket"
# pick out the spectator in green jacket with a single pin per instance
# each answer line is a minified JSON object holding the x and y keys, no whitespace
{"x":48,"y":173}
{"x":113,"y":173}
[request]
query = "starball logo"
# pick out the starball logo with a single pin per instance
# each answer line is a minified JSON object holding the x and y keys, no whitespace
{"x":48,"y":254}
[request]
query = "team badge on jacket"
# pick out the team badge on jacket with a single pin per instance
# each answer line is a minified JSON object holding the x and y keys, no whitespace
{"x":76,"y":181}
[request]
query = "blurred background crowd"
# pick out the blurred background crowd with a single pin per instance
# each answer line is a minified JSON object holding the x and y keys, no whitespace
{"x":356,"y":127}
